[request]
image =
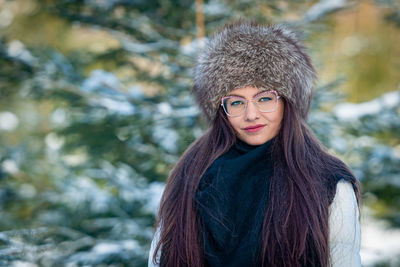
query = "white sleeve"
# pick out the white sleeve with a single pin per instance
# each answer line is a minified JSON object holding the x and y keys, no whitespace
{"x":344,"y":228}
{"x":153,"y":245}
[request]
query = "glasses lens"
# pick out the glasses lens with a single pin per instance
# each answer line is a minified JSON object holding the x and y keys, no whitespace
{"x":266,"y":101}
{"x":234,"y":105}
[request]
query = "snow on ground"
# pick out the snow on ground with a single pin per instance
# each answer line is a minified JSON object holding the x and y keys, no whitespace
{"x":379,"y":243}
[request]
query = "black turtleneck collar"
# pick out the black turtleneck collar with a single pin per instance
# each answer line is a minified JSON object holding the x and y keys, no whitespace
{"x":231,"y":201}
{"x":243,"y":147}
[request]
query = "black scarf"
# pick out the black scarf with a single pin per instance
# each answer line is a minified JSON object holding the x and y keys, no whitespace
{"x":231,"y":201}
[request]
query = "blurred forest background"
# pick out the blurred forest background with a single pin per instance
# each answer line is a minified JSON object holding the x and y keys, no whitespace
{"x":95,"y":108}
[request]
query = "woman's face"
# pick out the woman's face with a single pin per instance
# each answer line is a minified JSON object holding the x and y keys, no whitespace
{"x":255,"y":127}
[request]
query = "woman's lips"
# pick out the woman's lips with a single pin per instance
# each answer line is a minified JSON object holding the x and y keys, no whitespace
{"x":254,"y":128}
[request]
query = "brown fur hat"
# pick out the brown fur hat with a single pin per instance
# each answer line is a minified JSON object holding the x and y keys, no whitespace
{"x":247,"y":54}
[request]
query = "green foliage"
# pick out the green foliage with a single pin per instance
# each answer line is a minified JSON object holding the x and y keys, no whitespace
{"x":374,"y":145}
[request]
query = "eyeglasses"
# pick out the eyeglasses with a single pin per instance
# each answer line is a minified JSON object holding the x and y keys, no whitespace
{"x":235,"y":106}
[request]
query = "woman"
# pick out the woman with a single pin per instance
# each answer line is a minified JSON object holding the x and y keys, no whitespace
{"x":257,"y":189}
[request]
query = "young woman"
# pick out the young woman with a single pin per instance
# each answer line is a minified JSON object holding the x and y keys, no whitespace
{"x":258,"y":188}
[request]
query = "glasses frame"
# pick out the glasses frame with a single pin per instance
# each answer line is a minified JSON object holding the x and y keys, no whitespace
{"x":252,"y":100}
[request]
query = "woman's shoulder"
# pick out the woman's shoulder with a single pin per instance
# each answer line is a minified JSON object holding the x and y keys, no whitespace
{"x":345,"y":193}
{"x":338,"y":178}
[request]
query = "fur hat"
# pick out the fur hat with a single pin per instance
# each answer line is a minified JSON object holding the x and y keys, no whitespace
{"x":247,"y":54}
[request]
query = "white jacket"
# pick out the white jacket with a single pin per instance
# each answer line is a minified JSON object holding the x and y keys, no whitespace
{"x":344,"y":229}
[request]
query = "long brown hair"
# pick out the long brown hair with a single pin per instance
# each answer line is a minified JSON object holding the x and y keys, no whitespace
{"x":295,"y":229}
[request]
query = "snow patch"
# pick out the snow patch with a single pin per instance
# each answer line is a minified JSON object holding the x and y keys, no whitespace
{"x":351,"y":112}
{"x":8,"y":121}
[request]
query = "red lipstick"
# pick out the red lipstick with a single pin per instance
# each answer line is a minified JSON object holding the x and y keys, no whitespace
{"x":254,"y":128}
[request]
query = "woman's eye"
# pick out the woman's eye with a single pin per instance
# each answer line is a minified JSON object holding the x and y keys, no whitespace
{"x":265,"y":99}
{"x":236,"y":103}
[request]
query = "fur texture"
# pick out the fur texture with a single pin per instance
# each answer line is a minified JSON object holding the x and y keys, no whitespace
{"x":247,"y":54}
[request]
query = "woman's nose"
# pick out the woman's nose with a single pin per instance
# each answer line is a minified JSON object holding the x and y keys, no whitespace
{"x":251,"y":111}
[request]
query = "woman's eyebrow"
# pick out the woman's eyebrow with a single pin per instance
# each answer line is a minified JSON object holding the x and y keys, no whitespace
{"x":259,"y":93}
{"x":245,"y":97}
{"x":237,"y":95}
